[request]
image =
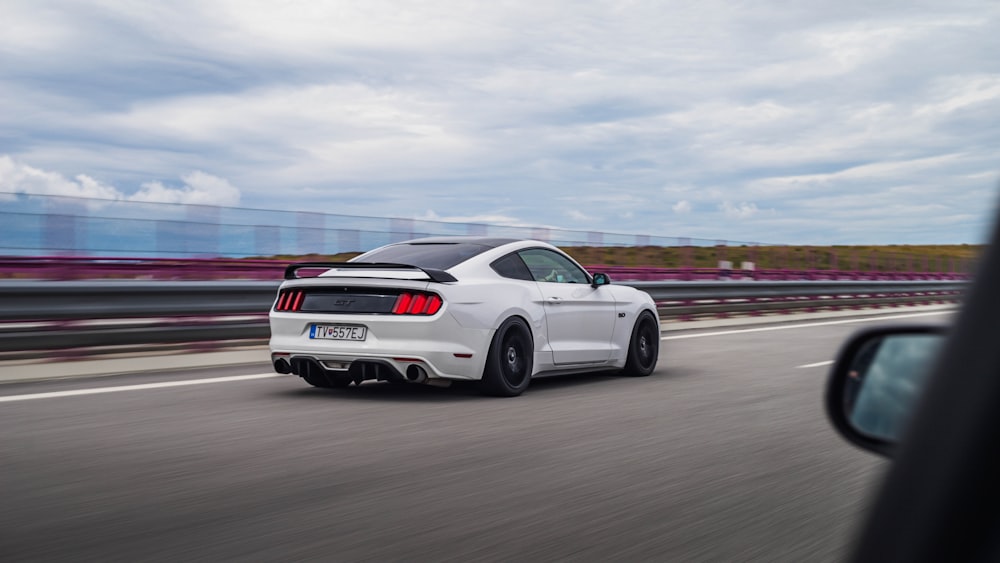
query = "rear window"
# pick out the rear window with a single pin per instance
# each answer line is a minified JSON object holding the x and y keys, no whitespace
{"x":435,"y":256}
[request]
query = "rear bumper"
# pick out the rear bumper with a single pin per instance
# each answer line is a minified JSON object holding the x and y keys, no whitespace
{"x":436,"y":345}
{"x":357,"y":371}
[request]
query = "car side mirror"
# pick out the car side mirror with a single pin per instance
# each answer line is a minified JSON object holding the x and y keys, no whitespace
{"x":876,"y":381}
{"x":600,"y":279}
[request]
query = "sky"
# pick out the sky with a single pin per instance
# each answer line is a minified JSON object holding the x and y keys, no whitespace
{"x":847,"y":122}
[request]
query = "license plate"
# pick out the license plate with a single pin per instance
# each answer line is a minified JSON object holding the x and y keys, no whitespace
{"x":338,"y":332}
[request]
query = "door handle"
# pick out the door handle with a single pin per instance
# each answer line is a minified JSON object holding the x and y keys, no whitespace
{"x":555,"y":300}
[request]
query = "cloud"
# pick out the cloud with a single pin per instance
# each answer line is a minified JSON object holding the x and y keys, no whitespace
{"x":578,"y":215}
{"x":869,"y":174}
{"x":963,"y":93}
{"x":198,"y":188}
{"x":742,"y":211}
{"x":504,"y":220}
{"x":19,"y":178}
{"x":513,"y":113}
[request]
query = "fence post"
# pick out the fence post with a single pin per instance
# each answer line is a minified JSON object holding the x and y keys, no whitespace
{"x":309,"y":232}
{"x":348,"y":240}
{"x":266,"y":240}
{"x":476,"y":229}
{"x":723,"y":265}
{"x":61,"y":234}
{"x":687,"y":257}
{"x":540,"y":233}
{"x":400,"y":230}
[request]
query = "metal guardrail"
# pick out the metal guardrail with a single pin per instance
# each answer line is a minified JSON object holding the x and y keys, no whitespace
{"x":24,"y":300}
{"x":47,"y":315}
{"x":687,"y":300}
{"x":674,"y":291}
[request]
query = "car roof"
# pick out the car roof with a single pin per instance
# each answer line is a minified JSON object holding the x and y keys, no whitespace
{"x":446,"y":253}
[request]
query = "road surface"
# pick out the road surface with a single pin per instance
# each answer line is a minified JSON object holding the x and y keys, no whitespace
{"x":723,"y":454}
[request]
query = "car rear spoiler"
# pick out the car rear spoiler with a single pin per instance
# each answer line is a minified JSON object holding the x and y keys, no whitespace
{"x":440,"y":276}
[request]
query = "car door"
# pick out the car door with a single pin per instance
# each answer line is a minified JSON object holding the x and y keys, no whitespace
{"x":579,"y":318}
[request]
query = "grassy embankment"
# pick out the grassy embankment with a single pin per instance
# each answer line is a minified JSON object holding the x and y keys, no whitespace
{"x":880,"y":258}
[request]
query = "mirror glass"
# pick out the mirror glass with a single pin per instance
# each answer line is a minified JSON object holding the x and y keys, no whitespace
{"x":885,"y":379}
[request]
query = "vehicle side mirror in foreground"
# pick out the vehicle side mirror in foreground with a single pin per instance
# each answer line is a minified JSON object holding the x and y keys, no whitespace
{"x":600,"y":279}
{"x":875,"y":383}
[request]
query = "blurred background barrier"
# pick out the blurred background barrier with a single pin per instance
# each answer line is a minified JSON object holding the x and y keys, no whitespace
{"x":39,"y":225}
{"x":86,"y":268}
{"x":44,"y":318}
{"x":58,"y":237}
{"x":85,"y":276}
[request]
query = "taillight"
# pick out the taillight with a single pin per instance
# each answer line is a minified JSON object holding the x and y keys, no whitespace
{"x":402,"y":304}
{"x":290,"y":300}
{"x":407,"y":303}
{"x":417,"y":304}
{"x":433,"y":305}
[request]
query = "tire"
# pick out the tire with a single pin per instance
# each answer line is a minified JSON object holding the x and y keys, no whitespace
{"x":643,"y":347}
{"x":508,"y":365}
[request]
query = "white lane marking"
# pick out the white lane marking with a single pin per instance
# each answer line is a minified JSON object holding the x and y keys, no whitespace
{"x":817,"y":364}
{"x":139,"y":387}
{"x":166,"y":384}
{"x":805,"y":325}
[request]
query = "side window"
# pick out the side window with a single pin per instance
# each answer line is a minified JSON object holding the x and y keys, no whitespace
{"x":511,"y":266}
{"x":548,"y":266}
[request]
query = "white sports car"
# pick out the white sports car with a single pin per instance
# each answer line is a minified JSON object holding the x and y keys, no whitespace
{"x":433,"y":310}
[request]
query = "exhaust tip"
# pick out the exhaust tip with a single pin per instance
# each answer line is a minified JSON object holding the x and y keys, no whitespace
{"x":282,"y":366}
{"x":416,"y":374}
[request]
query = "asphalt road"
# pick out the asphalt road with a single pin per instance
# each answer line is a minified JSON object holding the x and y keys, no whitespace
{"x":723,"y":454}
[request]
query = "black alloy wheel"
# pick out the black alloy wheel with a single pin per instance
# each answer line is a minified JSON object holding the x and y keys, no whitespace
{"x":508,"y":366}
{"x":644,"y":347}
